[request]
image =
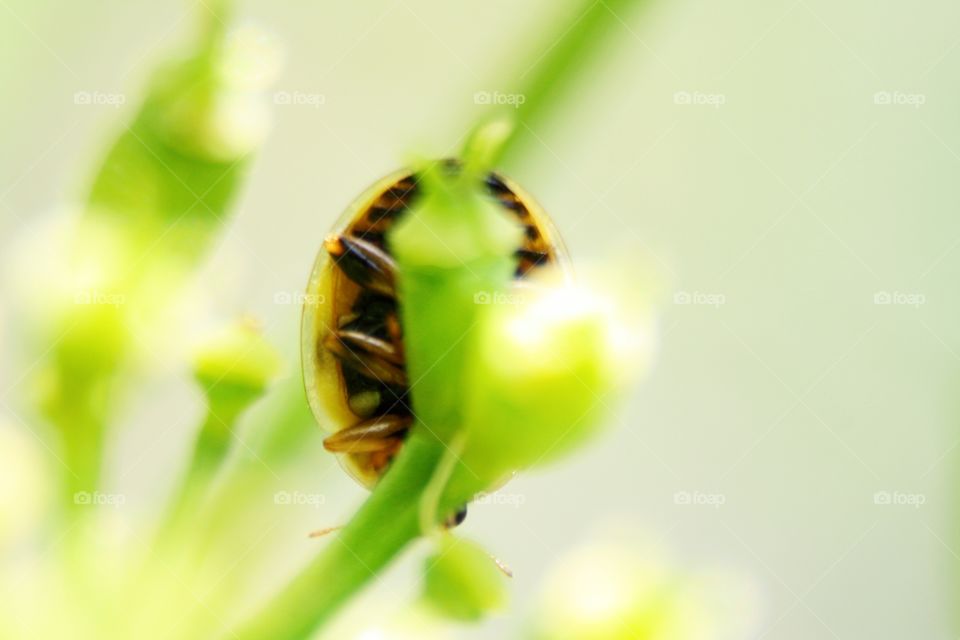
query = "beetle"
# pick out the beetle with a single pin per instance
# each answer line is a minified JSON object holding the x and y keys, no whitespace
{"x":351,"y":334}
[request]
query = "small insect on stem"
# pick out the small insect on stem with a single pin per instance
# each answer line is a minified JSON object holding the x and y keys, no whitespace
{"x":354,"y":359}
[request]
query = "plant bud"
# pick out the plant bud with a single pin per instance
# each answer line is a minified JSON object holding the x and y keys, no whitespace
{"x":235,"y":367}
{"x":545,"y":374}
{"x":462,"y":581}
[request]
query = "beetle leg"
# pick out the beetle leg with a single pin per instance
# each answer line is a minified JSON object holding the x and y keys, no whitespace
{"x":395,"y":331}
{"x":367,"y":364}
{"x":528,"y":259}
{"x":364,"y":262}
{"x":374,"y":346}
{"x":396,"y":198}
{"x":380,"y":459}
{"x":533,"y":256}
{"x":373,"y":435}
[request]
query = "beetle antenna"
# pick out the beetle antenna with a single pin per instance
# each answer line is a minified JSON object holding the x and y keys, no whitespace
{"x":504,"y":569}
{"x":319,"y":533}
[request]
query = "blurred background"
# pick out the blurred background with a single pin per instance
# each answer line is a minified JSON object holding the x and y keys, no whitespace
{"x":788,"y":167}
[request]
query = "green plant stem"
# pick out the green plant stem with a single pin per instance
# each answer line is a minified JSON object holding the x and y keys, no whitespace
{"x":152,"y":196}
{"x":279,"y":430}
{"x":571,"y":52}
{"x":209,"y":453}
{"x":381,"y":529}
{"x":80,"y":410}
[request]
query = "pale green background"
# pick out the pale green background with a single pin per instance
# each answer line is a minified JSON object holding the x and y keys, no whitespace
{"x":797,"y":200}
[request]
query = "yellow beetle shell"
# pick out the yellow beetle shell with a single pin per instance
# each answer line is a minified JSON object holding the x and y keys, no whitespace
{"x":330,"y":294}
